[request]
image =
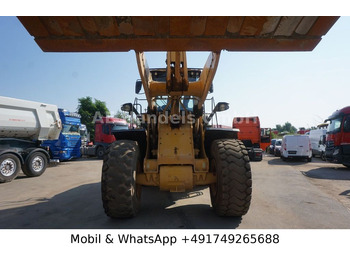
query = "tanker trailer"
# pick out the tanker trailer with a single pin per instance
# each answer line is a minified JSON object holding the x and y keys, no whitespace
{"x":23,"y":127}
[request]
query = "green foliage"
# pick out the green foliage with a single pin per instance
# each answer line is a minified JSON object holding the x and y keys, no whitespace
{"x":87,"y":109}
{"x":274,"y":136}
{"x":127,"y":117}
{"x":279,"y":128}
{"x":286,"y":128}
{"x":122,"y":115}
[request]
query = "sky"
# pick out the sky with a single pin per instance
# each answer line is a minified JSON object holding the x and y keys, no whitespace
{"x":302,"y":88}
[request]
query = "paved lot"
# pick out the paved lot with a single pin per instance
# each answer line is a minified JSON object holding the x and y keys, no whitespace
{"x":292,"y":194}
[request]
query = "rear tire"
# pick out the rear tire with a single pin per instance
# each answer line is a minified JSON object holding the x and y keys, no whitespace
{"x":35,"y":164}
{"x":9,"y":167}
{"x":120,"y":193}
{"x":231,"y":194}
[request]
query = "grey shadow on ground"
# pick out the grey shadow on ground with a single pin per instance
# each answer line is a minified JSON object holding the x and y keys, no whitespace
{"x":81,"y":208}
{"x":287,"y":162}
{"x":336,"y":173}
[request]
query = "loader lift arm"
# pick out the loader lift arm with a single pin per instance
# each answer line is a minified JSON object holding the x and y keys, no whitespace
{"x":177,"y":83}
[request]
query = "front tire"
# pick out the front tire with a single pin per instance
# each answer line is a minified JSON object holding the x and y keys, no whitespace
{"x":120,"y":193}
{"x":231,"y":194}
{"x":9,"y":167}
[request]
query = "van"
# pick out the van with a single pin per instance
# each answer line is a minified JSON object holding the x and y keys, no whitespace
{"x":278,"y":147}
{"x":296,"y":146}
{"x":318,"y":142}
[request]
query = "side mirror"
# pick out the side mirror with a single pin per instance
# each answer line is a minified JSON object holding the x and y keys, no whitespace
{"x":221,"y":106}
{"x":138,"y":86}
{"x":127,"y":107}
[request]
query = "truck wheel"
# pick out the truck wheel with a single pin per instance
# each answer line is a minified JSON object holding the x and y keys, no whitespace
{"x":231,"y":194}
{"x":120,"y":193}
{"x":35,"y":164}
{"x":100,"y":151}
{"x":9,"y":167}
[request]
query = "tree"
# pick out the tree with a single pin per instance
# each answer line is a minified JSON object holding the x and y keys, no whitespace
{"x":279,"y":128}
{"x":287,"y":127}
{"x":88,"y":109}
{"x":122,"y":115}
{"x":127,"y":117}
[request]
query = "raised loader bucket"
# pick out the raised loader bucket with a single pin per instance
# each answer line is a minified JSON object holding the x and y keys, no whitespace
{"x":118,"y":34}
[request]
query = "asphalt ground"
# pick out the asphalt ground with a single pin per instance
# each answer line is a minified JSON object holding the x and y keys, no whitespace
{"x":286,"y":195}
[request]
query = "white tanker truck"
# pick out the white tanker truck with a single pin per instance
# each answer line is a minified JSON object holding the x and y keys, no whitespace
{"x":23,"y":126}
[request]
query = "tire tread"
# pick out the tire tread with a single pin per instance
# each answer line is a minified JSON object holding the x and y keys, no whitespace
{"x":234,"y":186}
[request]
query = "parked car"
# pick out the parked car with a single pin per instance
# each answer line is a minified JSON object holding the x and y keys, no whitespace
{"x":278,"y":147}
{"x":271,"y":148}
{"x":296,"y":146}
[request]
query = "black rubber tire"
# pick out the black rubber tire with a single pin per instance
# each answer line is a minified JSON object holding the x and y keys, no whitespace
{"x":120,"y":193}
{"x":309,"y":159}
{"x":100,"y":151}
{"x":40,"y":159}
{"x":231,"y":194}
{"x":14,"y":163}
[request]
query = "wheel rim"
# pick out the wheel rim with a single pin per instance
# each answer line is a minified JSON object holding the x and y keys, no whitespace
{"x":100,"y":152}
{"x":8,"y":167}
{"x":38,"y":163}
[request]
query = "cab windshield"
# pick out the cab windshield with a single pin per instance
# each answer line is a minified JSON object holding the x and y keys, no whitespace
{"x":71,"y":129}
{"x":334,"y":125}
{"x":83,"y":134}
{"x":119,"y":127}
{"x":108,"y":129}
{"x":187,"y":101}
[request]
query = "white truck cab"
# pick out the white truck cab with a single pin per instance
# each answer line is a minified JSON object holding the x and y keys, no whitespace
{"x":296,"y":146}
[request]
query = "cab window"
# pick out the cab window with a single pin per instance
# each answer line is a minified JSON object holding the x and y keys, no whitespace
{"x":347,"y":124}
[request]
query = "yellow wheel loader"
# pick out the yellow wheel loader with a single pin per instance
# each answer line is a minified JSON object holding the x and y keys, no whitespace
{"x":176,"y":149}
